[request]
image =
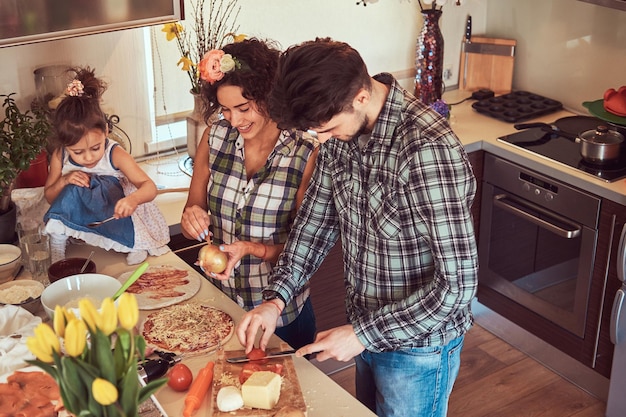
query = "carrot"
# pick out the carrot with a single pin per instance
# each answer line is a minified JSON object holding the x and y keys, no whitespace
{"x":198,"y":390}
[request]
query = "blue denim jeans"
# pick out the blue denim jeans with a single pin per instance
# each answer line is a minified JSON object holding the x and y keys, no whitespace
{"x":301,"y":331}
{"x":409,"y":383}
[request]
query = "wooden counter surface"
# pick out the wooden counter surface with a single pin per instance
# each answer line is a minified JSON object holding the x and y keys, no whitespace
{"x":323,"y":397}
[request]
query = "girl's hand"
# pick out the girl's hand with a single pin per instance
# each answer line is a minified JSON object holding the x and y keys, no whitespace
{"x":195,"y":221}
{"x":125,"y":207}
{"x":78,"y":178}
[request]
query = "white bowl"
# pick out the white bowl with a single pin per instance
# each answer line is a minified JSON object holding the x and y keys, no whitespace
{"x":25,"y":293}
{"x":67,"y":291}
{"x":10,"y":261}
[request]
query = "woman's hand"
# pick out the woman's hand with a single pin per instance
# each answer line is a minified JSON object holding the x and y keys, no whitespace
{"x":195,"y":222}
{"x":234,"y":252}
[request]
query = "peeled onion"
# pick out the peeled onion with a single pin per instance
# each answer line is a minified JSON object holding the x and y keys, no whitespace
{"x":229,"y":399}
{"x":212,"y":259}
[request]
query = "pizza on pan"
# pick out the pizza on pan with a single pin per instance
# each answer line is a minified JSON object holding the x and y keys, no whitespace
{"x":189,"y":328}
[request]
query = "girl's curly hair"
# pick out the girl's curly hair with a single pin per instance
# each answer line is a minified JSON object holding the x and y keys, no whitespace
{"x":77,"y":115}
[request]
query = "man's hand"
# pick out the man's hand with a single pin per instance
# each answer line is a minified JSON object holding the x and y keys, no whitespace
{"x":339,"y":343}
{"x":263,"y":317}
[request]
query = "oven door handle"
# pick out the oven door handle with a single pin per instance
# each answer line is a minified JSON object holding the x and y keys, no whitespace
{"x":499,"y":200}
{"x":621,"y":255}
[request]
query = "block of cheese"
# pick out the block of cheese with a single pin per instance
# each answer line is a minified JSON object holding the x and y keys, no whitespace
{"x":261,"y":390}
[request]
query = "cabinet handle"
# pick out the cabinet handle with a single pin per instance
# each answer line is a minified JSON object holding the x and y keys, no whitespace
{"x":500,"y":201}
{"x":621,"y":255}
{"x":616,"y":313}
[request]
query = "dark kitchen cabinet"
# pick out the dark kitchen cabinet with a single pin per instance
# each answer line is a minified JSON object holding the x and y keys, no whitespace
{"x":476,"y":158}
{"x":605,"y":284}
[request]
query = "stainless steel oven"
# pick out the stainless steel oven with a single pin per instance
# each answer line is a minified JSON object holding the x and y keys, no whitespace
{"x":537,"y":242}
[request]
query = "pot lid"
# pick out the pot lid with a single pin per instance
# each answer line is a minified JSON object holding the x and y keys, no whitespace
{"x":602,"y":135}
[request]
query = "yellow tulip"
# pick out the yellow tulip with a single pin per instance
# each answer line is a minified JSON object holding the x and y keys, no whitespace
{"x":43,"y":343}
{"x":128,"y":310}
{"x":88,"y":313}
{"x":103,"y":391}
{"x":44,"y":355}
{"x":75,"y":337}
{"x":59,"y":321}
{"x":108,"y":316}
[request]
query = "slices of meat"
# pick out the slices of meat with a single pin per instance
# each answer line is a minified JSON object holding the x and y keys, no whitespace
{"x":29,"y":394}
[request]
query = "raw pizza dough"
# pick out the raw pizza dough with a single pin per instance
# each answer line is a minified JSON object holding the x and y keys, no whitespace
{"x":162,"y":286}
{"x":188,"y":329}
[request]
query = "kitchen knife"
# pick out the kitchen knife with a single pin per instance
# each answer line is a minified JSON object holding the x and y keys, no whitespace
{"x":468,"y":40}
{"x":243,"y":359}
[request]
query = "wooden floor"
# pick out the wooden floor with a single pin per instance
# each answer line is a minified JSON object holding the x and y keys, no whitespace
{"x":497,"y":380}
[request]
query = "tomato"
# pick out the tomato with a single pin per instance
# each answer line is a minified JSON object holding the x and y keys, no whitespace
{"x":257,"y":355}
{"x":180,"y":377}
{"x":247,"y":370}
{"x":277,"y":368}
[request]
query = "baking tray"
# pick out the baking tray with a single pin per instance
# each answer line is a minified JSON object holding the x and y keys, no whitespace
{"x":517,"y":106}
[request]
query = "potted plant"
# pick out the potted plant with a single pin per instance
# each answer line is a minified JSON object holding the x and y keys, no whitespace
{"x":23,"y":137}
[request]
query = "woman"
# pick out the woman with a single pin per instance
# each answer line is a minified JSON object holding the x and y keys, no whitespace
{"x":255,"y":175}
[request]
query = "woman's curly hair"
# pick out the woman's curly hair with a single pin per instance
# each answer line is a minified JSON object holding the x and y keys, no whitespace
{"x":259,"y":60}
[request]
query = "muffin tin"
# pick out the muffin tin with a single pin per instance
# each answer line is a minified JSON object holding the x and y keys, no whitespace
{"x":516,"y":106}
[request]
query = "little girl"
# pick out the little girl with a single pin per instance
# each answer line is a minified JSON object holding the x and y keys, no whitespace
{"x":92,"y":178}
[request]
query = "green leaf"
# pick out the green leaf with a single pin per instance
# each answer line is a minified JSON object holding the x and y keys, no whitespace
{"x":150,"y":388}
{"x":103,"y":356}
{"x":129,"y":391}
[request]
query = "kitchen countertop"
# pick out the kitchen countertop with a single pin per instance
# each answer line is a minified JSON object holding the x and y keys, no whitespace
{"x":478,"y":131}
{"x":323,"y":397}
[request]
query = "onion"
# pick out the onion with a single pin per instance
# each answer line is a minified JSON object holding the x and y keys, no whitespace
{"x":212,"y":259}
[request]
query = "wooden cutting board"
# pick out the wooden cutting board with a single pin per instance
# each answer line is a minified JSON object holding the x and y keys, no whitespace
{"x":488,"y":64}
{"x":224,"y":372}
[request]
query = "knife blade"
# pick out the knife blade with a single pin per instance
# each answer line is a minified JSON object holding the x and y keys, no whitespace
{"x":243,"y":359}
{"x":468,"y":40}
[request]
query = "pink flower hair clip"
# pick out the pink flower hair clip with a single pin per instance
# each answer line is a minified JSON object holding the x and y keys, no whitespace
{"x":75,"y":89}
{"x":215,"y":64}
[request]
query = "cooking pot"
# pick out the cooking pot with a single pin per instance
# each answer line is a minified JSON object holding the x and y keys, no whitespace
{"x":597,"y":145}
{"x":600,"y":145}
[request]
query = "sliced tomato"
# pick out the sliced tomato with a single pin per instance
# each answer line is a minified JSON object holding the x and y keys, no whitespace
{"x":277,"y":368}
{"x":257,"y":355}
{"x":247,"y":370}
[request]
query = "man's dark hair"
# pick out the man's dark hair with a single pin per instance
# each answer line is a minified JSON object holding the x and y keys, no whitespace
{"x":315,"y":81}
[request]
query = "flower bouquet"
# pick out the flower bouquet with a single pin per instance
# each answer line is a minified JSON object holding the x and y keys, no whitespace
{"x":211,"y":30}
{"x":94,"y":358}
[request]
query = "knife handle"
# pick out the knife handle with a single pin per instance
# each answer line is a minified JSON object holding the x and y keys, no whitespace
{"x":468,"y":29}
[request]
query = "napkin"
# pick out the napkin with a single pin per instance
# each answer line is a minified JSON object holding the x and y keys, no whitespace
{"x":16,"y":324}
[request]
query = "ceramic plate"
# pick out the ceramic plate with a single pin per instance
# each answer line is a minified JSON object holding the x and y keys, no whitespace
{"x":596,"y":108}
{"x":162,"y":285}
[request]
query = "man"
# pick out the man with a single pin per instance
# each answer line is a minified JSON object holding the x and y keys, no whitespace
{"x":394,"y":183}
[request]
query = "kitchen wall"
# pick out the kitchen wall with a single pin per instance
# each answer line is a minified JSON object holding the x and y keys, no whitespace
{"x":568,"y":50}
{"x":384,"y":32}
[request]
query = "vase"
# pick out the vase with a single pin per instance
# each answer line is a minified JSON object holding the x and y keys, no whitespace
{"x":36,"y":174}
{"x":429,"y":59}
{"x":195,"y":125}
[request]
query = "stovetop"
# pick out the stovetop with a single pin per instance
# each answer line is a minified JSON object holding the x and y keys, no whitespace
{"x":567,"y":151}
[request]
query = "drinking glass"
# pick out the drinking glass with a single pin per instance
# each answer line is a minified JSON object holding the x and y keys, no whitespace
{"x":37,"y":250}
